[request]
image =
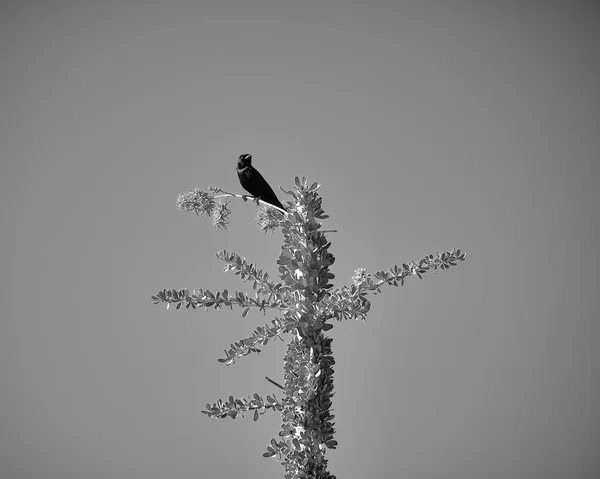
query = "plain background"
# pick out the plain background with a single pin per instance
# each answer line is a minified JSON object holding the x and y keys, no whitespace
{"x":430,"y":125}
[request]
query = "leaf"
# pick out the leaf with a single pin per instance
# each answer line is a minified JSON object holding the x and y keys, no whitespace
{"x":245,"y":312}
{"x":256,"y":414}
{"x":271,"y":451}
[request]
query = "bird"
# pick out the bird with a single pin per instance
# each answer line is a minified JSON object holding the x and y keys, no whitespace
{"x":254,"y":183}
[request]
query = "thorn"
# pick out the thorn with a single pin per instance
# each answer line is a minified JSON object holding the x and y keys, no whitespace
{"x":273,"y":382}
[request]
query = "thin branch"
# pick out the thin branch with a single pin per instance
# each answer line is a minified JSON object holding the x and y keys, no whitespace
{"x":226,"y":194}
{"x":273,"y":382}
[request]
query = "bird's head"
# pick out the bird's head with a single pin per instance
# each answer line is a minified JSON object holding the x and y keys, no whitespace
{"x":244,"y":160}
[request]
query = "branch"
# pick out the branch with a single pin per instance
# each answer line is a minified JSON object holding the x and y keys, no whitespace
{"x":208,"y":203}
{"x":249,"y":272}
{"x":260,"y":337}
{"x":235,"y":407}
{"x":207,"y":299}
{"x":275,"y":383}
{"x":226,"y":194}
{"x":351,"y":302}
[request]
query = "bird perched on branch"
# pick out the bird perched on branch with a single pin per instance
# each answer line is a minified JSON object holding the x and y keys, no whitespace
{"x":254,"y":183}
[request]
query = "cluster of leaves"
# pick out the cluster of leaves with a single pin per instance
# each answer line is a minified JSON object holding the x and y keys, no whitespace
{"x":260,"y":279}
{"x":204,"y":298}
{"x":260,"y":337}
{"x":307,"y":428}
{"x":214,"y":204}
{"x":307,"y":301}
{"x":199,"y":201}
{"x":352,"y":303}
{"x":236,"y":407}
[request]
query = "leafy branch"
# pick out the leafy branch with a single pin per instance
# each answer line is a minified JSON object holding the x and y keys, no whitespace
{"x":260,"y":337}
{"x":236,"y":407}
{"x":204,"y":298}
{"x":249,"y":272}
{"x":351,"y":302}
{"x":214,"y":204}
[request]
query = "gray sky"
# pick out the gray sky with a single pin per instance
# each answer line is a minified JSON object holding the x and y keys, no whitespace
{"x":430,"y":125}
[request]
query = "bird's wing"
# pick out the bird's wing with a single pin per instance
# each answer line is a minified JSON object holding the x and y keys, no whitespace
{"x":255,"y":183}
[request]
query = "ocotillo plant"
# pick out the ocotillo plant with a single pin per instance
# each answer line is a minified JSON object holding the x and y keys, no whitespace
{"x":307,"y":304}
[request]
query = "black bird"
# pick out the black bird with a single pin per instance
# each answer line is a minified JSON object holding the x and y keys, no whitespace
{"x":254,"y":183}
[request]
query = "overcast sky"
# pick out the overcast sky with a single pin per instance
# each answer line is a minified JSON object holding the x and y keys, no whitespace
{"x":430,"y":125}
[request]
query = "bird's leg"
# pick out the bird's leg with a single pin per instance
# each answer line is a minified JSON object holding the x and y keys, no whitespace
{"x":245,"y":197}
{"x":256,"y":198}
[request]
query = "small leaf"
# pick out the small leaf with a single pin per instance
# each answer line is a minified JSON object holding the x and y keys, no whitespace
{"x":256,"y":414}
{"x":269,"y":453}
{"x":245,"y":312}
